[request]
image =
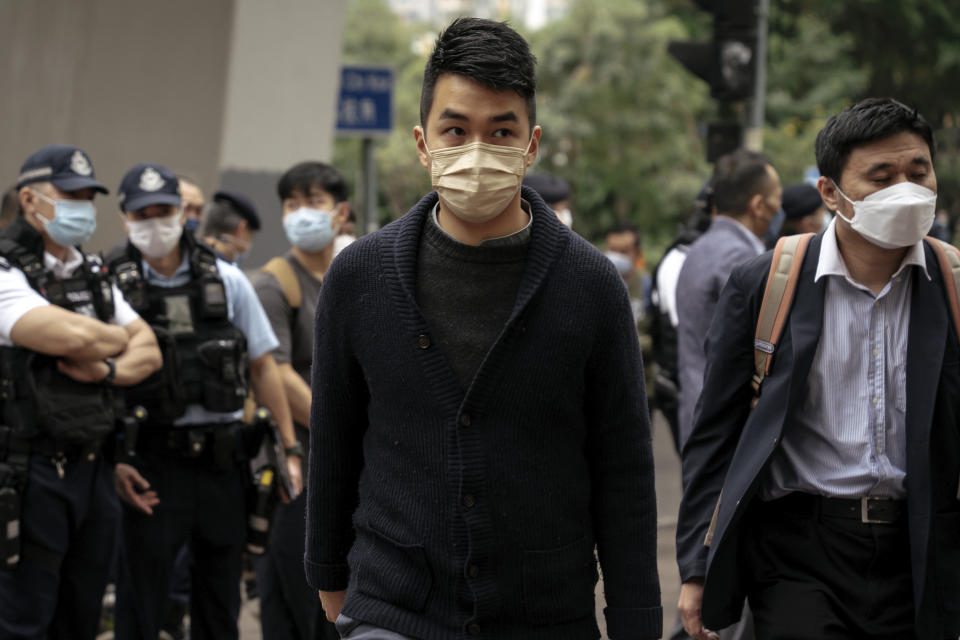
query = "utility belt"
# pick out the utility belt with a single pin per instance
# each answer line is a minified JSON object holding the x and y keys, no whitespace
{"x":223,"y":446}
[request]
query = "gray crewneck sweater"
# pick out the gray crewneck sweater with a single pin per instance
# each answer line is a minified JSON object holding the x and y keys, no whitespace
{"x":466,"y":293}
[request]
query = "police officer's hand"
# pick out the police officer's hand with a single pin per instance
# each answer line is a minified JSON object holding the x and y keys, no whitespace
{"x":133,"y":489}
{"x":84,"y":370}
{"x":294,"y":468}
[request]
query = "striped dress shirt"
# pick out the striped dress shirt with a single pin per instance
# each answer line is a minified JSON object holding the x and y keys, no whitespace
{"x":848,"y":437}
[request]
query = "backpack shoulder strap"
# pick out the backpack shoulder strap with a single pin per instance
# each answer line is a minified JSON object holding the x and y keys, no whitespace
{"x":282,"y":270}
{"x":777,"y":298}
{"x":949,"y":258}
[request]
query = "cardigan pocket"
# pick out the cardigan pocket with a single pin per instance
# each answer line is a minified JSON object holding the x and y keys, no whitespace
{"x":558,"y":584}
{"x":394,"y":572}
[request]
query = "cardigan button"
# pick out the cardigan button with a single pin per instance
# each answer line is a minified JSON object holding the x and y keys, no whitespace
{"x":464,"y":420}
{"x":469,"y":501}
{"x":473,"y":571}
{"x":474,"y":629}
{"x":424,"y":341}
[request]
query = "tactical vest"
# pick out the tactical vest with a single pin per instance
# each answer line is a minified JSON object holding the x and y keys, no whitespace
{"x":204,"y":355}
{"x":37,"y":399}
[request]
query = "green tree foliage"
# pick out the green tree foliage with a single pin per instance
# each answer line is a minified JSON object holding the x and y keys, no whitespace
{"x":375,"y":36}
{"x":619,"y":116}
{"x":910,"y":50}
{"x":623,"y":121}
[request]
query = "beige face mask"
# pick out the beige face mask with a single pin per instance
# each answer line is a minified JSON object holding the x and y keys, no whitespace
{"x":477,"y":181}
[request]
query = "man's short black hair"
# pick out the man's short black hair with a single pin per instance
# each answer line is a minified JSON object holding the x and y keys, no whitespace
{"x":625,"y":227}
{"x":867,"y":121}
{"x":487,"y":52}
{"x":305,"y":175}
{"x":737,"y":177}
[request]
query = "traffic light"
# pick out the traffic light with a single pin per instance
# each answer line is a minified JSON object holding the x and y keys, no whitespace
{"x":727,"y":63}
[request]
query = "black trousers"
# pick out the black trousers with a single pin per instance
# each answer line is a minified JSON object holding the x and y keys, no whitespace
{"x":822,"y":578}
{"x":198,"y":503}
{"x":68,"y":536}
{"x":289,"y":608}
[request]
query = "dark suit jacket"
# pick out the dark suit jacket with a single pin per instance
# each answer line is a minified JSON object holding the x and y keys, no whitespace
{"x":731,"y":447}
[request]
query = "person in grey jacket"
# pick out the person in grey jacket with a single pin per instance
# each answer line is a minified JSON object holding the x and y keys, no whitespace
{"x":747,"y":195}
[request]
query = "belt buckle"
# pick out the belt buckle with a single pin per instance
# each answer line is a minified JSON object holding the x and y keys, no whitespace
{"x":865,"y":512}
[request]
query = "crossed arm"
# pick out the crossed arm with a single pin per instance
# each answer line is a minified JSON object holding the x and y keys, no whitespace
{"x":84,"y":343}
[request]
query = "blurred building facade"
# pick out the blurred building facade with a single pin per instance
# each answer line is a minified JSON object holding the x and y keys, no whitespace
{"x":229,"y":92}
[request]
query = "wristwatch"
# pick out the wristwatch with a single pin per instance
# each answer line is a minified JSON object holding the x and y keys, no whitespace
{"x":296,"y":449}
{"x":112,"y":374}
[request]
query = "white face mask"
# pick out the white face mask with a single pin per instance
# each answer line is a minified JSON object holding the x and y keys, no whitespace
{"x":156,"y":237}
{"x":895,"y":217}
{"x":477,"y":181}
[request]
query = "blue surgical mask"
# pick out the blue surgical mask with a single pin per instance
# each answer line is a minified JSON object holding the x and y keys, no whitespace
{"x":309,"y":230}
{"x":621,"y":261}
{"x":191,"y":224}
{"x":74,"y":221}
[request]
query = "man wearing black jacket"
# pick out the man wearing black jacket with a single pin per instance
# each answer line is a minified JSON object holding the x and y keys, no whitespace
{"x":478,"y":422}
{"x":834,"y":502}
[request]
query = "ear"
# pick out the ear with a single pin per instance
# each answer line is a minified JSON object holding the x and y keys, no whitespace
{"x":341,"y":211}
{"x":828,"y":193}
{"x":27,"y":198}
{"x":241,"y":227}
{"x":534,"y":148}
{"x":123,"y":222}
{"x":755,"y":206}
{"x":419,"y":136}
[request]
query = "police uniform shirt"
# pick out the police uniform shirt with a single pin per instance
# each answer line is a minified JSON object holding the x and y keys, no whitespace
{"x":244,"y":311}
{"x":17,"y":297}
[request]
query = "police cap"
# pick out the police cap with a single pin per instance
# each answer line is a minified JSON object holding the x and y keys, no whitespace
{"x":67,"y":167}
{"x":146,"y":184}
{"x":801,"y":200}
{"x":551,"y":188}
{"x":242,"y":205}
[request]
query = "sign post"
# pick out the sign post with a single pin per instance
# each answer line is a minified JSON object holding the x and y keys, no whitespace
{"x":365,"y":110}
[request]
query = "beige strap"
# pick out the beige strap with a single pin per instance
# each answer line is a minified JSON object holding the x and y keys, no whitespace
{"x":282,"y":270}
{"x":949,"y":258}
{"x":775,"y":307}
{"x":708,"y":539}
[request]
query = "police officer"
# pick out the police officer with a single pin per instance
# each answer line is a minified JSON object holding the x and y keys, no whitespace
{"x":187,"y":475}
{"x":229,"y":225}
{"x":66,"y":338}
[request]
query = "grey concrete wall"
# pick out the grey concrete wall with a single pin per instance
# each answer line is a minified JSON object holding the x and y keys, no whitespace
{"x":210,"y":88}
{"x":128,"y":81}
{"x":281,"y":101}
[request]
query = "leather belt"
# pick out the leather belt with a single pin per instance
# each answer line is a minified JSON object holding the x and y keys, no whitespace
{"x":867,"y":510}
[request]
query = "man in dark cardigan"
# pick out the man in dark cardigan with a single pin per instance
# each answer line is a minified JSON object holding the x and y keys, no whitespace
{"x":478,"y":421}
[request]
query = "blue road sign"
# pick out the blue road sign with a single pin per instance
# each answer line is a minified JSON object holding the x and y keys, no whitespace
{"x":365,"y":107}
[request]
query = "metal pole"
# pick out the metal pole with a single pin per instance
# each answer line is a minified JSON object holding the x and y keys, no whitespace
{"x":369,"y":217}
{"x":754,"y":133}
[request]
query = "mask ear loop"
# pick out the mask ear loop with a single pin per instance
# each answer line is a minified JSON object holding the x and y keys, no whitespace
{"x":844,"y":196}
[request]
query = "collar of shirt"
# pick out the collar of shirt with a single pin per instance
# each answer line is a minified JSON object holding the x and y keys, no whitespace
{"x":517,"y":237}
{"x":63,"y":268}
{"x":742,"y":230}
{"x":180,"y":277}
{"x":831,"y":261}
